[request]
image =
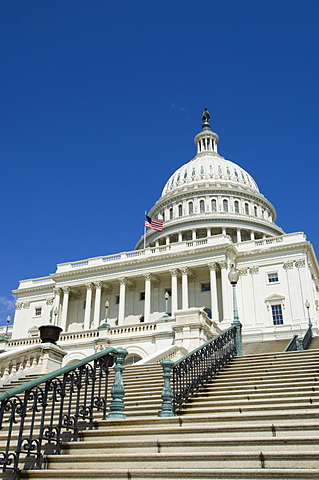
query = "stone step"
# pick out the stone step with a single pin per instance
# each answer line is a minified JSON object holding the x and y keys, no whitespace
{"x":250,"y":458}
{"x":175,"y":474}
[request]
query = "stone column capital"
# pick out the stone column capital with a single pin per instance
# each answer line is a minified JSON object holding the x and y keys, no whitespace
{"x":122,"y":280}
{"x":98,"y":284}
{"x":89,"y":286}
{"x":213,"y":266}
{"x":66,"y":289}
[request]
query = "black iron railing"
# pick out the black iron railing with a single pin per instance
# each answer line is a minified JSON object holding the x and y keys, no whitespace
{"x":36,"y":416}
{"x":306,"y":341}
{"x":292,"y":345}
{"x":300,"y":344}
{"x":185,"y":377}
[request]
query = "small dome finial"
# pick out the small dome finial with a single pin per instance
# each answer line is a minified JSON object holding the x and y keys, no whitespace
{"x":205,"y":119}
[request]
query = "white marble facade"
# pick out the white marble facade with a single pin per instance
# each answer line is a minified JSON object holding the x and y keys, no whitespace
{"x":214,"y":216}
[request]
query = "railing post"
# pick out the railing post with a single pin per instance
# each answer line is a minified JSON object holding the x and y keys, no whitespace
{"x":167,"y":394}
{"x":117,"y":391}
{"x":238,"y":338}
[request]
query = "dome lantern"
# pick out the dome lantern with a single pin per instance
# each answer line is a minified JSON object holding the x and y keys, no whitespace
{"x":206,"y":140}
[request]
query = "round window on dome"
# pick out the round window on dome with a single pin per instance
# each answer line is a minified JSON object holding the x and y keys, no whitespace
{"x":220,"y":169}
{"x":228,"y":171}
{"x":185,"y":174}
{"x":202,"y":171}
{"x":193,"y":172}
{"x":236,"y":174}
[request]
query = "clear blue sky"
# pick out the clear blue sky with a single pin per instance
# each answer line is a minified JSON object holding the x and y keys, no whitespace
{"x":101,"y":99}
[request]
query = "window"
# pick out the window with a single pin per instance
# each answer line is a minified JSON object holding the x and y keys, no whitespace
{"x":202,"y":206}
{"x":236,"y":205}
{"x":255,"y":211}
{"x":246,"y":208}
{"x":180,"y":210}
{"x":205,"y":287}
{"x":276,"y":311}
{"x":202,"y":170}
{"x":170,"y":213}
{"x":117,"y":299}
{"x":190,"y":208}
{"x":185,"y":174}
{"x":220,"y":169}
{"x":142,"y":295}
{"x":272,"y":277}
{"x":208,"y":312}
{"x":225,"y":205}
{"x":38,"y":311}
{"x":214,"y":205}
{"x":193,"y":172}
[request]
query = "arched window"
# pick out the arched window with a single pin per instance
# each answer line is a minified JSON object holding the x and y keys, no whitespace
{"x":185,"y":174}
{"x":193,"y":172}
{"x":180,"y":210}
{"x":190,"y":208}
{"x":202,"y":170}
{"x":225,"y":205}
{"x":202,"y":206}
{"x":255,"y":211}
{"x":236,"y":205}
{"x":214,"y":205}
{"x":170,"y":213}
{"x":246,"y":208}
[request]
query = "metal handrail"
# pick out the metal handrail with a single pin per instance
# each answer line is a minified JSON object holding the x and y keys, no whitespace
{"x":58,"y":403}
{"x":194,"y":369}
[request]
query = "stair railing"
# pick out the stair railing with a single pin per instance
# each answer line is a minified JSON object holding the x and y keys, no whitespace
{"x":38,"y":415}
{"x":297,"y":343}
{"x":183,"y":378}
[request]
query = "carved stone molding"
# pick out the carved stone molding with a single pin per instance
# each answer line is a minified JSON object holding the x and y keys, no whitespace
{"x":131,"y":285}
{"x":300,"y":263}
{"x":57,"y":291}
{"x":174,"y":272}
{"x":50,"y":301}
{"x":213,"y":266}
{"x":155,"y":281}
{"x":147,"y":276}
{"x":26,"y":305}
{"x":243,"y":271}
{"x":288,"y":265}
{"x":98,"y":284}
{"x":122,"y":280}
{"x":254,"y":270}
{"x":75,"y":295}
{"x":19,"y":305}
{"x":223,"y":264}
{"x":184,"y":270}
{"x":89,"y":286}
{"x":66,"y":289}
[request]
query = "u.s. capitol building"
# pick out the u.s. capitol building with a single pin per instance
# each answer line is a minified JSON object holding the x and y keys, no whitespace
{"x":172,"y":293}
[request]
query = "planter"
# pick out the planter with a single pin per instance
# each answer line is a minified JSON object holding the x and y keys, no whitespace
{"x":50,"y":333}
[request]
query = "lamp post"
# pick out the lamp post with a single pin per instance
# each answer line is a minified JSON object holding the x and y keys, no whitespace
{"x":105,"y":325}
{"x":55,"y":313}
{"x":233,"y":277}
{"x":307,"y":305}
{"x":7,"y":327}
{"x":166,"y":296}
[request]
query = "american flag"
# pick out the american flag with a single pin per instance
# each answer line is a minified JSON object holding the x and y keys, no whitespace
{"x":153,"y":223}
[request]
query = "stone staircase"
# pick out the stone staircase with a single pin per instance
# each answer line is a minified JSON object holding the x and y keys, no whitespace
{"x":257,"y":420}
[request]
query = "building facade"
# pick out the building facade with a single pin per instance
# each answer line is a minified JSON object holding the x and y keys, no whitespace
{"x":172,"y":292}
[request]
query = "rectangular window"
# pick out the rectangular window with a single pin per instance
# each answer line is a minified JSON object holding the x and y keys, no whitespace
{"x":117,"y":299}
{"x":142,"y":295}
{"x":38,"y":311}
{"x":272,"y":277}
{"x":205,"y":287}
{"x":276,"y":311}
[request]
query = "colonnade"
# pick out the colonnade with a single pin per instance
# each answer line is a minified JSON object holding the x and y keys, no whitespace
{"x":185,"y":274}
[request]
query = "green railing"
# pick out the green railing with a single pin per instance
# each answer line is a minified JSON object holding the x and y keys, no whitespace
{"x":37,"y":415}
{"x":186,"y":376}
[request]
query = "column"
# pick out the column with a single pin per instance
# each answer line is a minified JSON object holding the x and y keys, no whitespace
{"x":97,"y":304}
{"x":238,"y":235}
{"x":122,"y":281}
{"x":194,"y":234}
{"x":56,"y":304}
{"x":184,"y":271}
{"x":88,"y":304}
{"x":174,"y":305}
{"x":227,"y":298}
{"x":147,"y":301}
{"x":66,"y":292}
{"x":252,"y":235}
{"x":223,"y":230}
{"x":208,"y":232}
{"x":167,"y":240}
{"x":180,"y":236}
{"x":213,"y":291}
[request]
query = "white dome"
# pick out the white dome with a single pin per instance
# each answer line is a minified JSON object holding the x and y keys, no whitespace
{"x":209,"y":168}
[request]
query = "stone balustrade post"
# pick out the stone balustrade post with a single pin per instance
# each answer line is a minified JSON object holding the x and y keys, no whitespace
{"x":118,"y":391}
{"x":167,"y":394}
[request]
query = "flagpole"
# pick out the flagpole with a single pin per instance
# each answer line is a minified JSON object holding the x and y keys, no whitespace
{"x":144,"y":230}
